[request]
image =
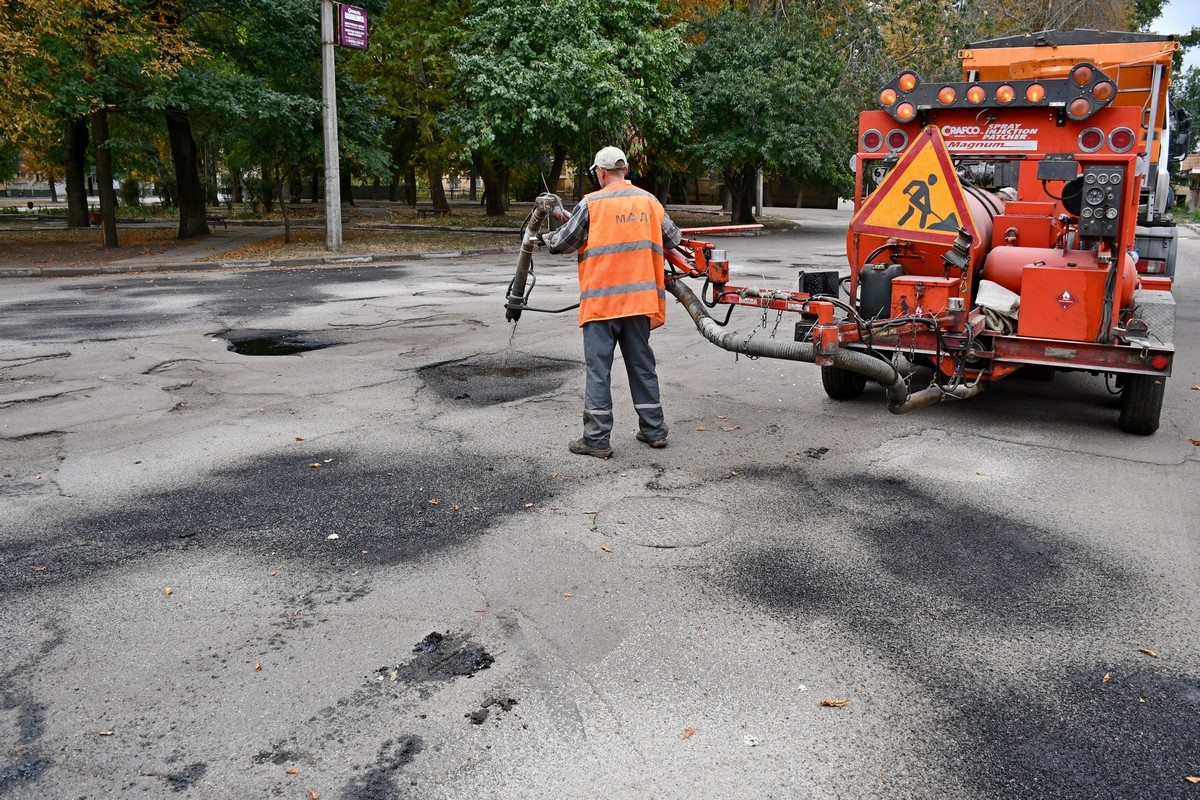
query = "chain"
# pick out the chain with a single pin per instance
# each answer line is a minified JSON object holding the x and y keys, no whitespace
{"x":778,"y":317}
{"x":762,"y":324}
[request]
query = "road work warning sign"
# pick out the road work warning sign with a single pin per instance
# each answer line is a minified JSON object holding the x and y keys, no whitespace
{"x":921,"y":199}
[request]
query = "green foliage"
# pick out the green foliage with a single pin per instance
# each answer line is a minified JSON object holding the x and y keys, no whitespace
{"x":573,"y":73}
{"x":768,"y":93}
{"x":131,"y":192}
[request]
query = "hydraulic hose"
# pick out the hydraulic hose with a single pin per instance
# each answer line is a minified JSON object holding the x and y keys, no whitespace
{"x":899,"y":400}
{"x":515,"y":301}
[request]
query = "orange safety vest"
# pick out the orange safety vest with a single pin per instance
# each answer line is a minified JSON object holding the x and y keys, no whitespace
{"x":621,"y":266}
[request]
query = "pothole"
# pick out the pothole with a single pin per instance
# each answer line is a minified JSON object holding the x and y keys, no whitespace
{"x":273,"y":343}
{"x":492,"y":378}
{"x":665,"y":522}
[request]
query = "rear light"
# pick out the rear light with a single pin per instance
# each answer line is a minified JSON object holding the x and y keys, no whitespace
{"x":1005,"y":94}
{"x":905,"y":112}
{"x":908,"y":81}
{"x":1091,"y":140}
{"x":947,"y":95}
{"x":1121,"y":140}
{"x":897,"y":140}
{"x":1160,"y":361}
{"x":1035,"y":93}
{"x":1082,"y":74}
{"x":871,"y":141}
{"x":1080,"y":108}
{"x":887,"y":97}
{"x":976,"y":95}
{"x":1104,"y":91}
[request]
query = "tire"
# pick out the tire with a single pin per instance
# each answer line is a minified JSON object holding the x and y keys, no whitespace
{"x":1141,"y":404}
{"x":842,"y":384}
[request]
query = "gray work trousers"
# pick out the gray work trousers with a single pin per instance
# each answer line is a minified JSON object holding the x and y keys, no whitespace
{"x":600,"y":339}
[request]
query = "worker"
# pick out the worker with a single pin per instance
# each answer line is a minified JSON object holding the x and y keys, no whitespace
{"x":619,"y":232}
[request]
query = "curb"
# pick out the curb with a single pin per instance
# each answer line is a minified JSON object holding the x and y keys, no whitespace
{"x":118,"y":268}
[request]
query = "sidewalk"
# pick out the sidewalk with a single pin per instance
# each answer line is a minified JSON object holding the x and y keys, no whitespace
{"x":204,"y":253}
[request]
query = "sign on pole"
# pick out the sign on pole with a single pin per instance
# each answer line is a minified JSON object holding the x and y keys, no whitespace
{"x":352,"y":27}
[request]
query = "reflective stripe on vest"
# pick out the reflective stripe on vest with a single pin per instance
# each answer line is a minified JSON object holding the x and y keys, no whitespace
{"x":621,"y":266}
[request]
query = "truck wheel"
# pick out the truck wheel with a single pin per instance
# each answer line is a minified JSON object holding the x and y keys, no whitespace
{"x":842,"y":384}
{"x":1141,"y":404}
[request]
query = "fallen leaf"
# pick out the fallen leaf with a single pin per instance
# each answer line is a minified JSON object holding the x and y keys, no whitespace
{"x":1196,"y":388}
{"x":258,"y":666}
{"x":528,"y":505}
{"x":333,"y":536}
{"x":106,"y":732}
{"x":433,"y":501}
{"x":455,"y":508}
{"x":567,"y":594}
{"x":722,"y":416}
{"x":299,"y":438}
{"x":590,"y":511}
{"x":315,"y":465}
{"x":168,"y":591}
{"x":733,"y":428}
{"x":605,"y":548}
{"x":1107,"y":677}
{"x":292,"y":771}
{"x":272,"y":573}
{"x":1148,"y":652}
{"x":480,"y":610}
{"x":688,"y":733}
{"x":553,"y":474}
{"x":833,"y":703}
{"x":39,"y":569}
{"x":312,"y":795}
{"x":1192,"y":778}
{"x":732,"y":473}
{"x":1195,"y":442}
{"x":328,"y":461}
{"x":701,"y":428}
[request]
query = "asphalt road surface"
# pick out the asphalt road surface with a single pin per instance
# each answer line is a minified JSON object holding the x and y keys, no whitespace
{"x":371,"y":569}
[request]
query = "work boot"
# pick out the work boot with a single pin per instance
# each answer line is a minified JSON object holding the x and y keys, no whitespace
{"x":582,"y":448}
{"x":655,"y":443}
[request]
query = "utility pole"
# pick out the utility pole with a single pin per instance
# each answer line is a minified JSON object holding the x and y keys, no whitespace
{"x":333,"y":186}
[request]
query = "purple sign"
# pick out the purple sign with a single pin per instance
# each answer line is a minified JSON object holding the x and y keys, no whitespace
{"x":352,"y":27}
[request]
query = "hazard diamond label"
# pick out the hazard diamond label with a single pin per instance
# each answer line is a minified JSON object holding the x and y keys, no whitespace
{"x":1066,"y":299}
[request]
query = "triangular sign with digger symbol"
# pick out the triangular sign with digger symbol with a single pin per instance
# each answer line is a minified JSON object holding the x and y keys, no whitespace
{"x":921,"y":199}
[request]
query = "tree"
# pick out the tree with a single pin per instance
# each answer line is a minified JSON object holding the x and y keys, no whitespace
{"x":768,"y":93}
{"x":566,"y":76}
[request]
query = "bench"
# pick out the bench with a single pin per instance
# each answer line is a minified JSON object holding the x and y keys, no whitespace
{"x":218,"y":221}
{"x":441,"y":212}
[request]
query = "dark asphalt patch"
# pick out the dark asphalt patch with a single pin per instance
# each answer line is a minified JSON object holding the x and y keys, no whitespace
{"x":439,"y":657}
{"x":280,"y":506}
{"x":492,"y":378}
{"x":272,"y":342}
{"x":936,"y":574}
{"x":379,"y":782}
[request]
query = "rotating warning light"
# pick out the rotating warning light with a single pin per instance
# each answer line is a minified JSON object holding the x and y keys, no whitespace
{"x":1121,"y":140}
{"x":1035,"y":93}
{"x":887,"y":97}
{"x":905,"y":112}
{"x":1080,"y":108}
{"x":871,"y":140}
{"x":976,"y":95}
{"x":1104,"y":91}
{"x":947,"y":95}
{"x":908,"y":81}
{"x":1005,"y":94}
{"x":1082,"y":74}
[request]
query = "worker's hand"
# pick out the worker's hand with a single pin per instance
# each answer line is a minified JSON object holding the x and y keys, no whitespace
{"x":549,"y":202}
{"x":537,"y":238}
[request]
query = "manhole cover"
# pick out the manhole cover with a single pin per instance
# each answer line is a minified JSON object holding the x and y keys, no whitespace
{"x":664,"y":521}
{"x":272,"y":343}
{"x":496,"y":377}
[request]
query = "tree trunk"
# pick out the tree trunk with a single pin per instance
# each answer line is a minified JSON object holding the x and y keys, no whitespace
{"x":316,"y":187}
{"x":437,"y":192}
{"x":75,"y":145}
{"x":210,"y":173}
{"x":346,"y":185}
{"x":394,"y":186}
{"x":293,"y":181}
{"x":560,"y":158}
{"x":741,"y":185}
{"x":494,"y":175}
{"x":410,"y":186}
{"x":283,"y":206}
{"x":104,"y":175}
{"x":189,"y":190}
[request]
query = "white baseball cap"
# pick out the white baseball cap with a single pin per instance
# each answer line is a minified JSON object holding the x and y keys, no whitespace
{"x":610,"y":158}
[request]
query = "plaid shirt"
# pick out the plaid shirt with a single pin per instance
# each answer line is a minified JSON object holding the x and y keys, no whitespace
{"x":574,"y":232}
